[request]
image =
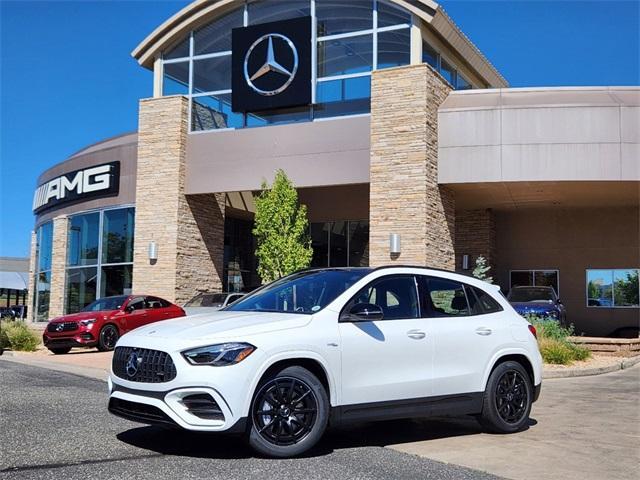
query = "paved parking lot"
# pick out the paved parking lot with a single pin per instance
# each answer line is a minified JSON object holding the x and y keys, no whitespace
{"x":55,"y":425}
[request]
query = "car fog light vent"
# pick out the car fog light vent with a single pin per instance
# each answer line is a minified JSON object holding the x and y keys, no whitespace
{"x":202,"y":405}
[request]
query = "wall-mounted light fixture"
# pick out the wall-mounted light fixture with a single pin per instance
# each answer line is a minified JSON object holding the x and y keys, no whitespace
{"x":394,"y":244}
{"x":153,"y":251}
{"x":465,"y":262}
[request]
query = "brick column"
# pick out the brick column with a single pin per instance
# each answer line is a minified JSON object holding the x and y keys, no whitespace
{"x":476,"y":236}
{"x":58,"y":266}
{"x":31,"y":292}
{"x":405,"y":197}
{"x":188,"y":231}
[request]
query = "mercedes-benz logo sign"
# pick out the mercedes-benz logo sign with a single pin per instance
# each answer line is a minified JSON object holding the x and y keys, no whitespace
{"x":59,"y":327}
{"x":271,"y":65}
{"x":132,"y":364}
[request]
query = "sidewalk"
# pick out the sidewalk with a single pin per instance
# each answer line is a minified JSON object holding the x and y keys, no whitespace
{"x":86,"y":362}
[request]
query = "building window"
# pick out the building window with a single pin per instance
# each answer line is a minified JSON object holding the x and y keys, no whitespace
{"x":340,"y":244}
{"x":99,"y":256}
{"x":446,"y":69}
{"x":348,"y":35}
{"x":535,"y":278}
{"x":613,"y":288}
{"x":44,"y":247}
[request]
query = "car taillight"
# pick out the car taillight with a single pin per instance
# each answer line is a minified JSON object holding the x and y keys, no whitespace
{"x":533,"y":331}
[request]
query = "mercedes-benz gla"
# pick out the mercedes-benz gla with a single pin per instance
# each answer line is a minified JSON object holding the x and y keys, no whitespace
{"x":326,"y":347}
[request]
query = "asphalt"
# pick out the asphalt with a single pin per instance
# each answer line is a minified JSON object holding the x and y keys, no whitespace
{"x":55,"y":425}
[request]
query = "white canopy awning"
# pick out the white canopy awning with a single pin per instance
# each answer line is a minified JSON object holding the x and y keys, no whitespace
{"x":14,"y":280}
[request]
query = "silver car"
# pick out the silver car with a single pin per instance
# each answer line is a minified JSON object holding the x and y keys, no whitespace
{"x":210,"y":302}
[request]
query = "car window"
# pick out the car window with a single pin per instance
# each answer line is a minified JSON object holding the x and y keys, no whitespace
{"x":155,"y":302}
{"x":233,"y":298}
{"x":475,"y":307}
{"x":489,"y":304}
{"x":446,"y":298}
{"x":395,"y":295}
{"x":136,"y":304}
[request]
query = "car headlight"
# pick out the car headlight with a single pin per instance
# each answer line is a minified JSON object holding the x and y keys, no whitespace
{"x":88,"y":323}
{"x":219,"y":355}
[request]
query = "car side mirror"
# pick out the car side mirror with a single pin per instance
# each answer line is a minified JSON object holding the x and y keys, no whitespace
{"x":364,"y":312}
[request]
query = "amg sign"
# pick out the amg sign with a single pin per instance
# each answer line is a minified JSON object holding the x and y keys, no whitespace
{"x":79,"y":185}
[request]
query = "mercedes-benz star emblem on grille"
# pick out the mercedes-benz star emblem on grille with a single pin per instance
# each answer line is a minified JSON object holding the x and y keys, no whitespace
{"x":271,"y":65}
{"x":132,"y":364}
{"x":59,"y":327}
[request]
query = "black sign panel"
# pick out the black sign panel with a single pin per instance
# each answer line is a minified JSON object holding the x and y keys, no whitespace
{"x":271,"y":65}
{"x":77,"y":186}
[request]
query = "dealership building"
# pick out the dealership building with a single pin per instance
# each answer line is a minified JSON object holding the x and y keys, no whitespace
{"x":390,"y":122}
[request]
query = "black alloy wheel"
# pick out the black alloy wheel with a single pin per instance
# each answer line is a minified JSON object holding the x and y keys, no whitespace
{"x":507,"y":399}
{"x":511,"y":397}
{"x":108,"y":338}
{"x":289,"y":413}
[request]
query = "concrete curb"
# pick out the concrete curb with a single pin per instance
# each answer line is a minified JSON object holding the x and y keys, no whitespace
{"x":585,"y":372}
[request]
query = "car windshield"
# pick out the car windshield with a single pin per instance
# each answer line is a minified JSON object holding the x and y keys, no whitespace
{"x":531,"y":295}
{"x":108,"y":303}
{"x":303,"y":292}
{"x":207,"y":300}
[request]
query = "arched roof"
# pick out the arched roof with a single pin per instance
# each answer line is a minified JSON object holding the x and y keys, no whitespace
{"x":201,"y":12}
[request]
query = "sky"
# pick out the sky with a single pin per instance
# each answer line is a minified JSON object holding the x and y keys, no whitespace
{"x":67,"y":78}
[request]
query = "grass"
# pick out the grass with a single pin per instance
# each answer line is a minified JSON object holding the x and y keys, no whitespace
{"x":554,"y":345}
{"x":16,"y":335}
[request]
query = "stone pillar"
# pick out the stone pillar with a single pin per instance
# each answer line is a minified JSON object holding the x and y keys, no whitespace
{"x":31,"y":286}
{"x":188,"y":231}
{"x":58,"y":266}
{"x":405,"y":197}
{"x":476,"y":236}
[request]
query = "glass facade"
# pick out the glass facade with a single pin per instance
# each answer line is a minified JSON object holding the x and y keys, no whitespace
{"x":613,"y":288}
{"x":99,"y":256}
{"x":44,"y":249}
{"x":351,"y":39}
{"x":446,"y":69}
{"x":340,"y":244}
{"x":535,"y":278}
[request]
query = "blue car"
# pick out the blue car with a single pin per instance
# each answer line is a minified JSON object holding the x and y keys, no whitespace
{"x":539,"y":301}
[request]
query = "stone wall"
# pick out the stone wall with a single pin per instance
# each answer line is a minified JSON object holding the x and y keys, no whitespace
{"x":188,"y":231}
{"x":58,"y":265}
{"x":404,"y":194}
{"x":476,"y":236}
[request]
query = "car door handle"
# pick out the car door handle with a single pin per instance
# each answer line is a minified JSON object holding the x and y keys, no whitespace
{"x":483,"y":331}
{"x":416,"y":334}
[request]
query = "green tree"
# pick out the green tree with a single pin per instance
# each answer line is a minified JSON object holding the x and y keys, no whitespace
{"x":281,"y":230}
{"x":481,"y":269}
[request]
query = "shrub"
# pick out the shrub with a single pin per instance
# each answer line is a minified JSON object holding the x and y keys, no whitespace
{"x":554,"y":345}
{"x":16,"y":335}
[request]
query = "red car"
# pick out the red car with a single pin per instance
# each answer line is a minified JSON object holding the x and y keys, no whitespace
{"x":101,"y":323}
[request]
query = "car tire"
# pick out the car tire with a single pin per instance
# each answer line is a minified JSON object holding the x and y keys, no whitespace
{"x":507,"y":399}
{"x":300,"y":407}
{"x":60,"y":351}
{"x":108,"y":338}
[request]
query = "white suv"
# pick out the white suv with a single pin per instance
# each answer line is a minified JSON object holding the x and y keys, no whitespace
{"x":330,"y":346}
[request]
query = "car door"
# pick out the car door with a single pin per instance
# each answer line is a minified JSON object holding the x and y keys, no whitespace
{"x":466,"y":331}
{"x":156,"y":309}
{"x":389,"y":359}
{"x":137,"y":313}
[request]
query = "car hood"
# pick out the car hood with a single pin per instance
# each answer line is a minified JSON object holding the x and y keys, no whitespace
{"x":76,"y":317}
{"x":221,"y":324}
{"x":533,"y":306}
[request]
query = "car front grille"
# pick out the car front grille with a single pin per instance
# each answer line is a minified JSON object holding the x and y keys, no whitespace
{"x":138,"y":412}
{"x":143,"y":365}
{"x":62,"y":327}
